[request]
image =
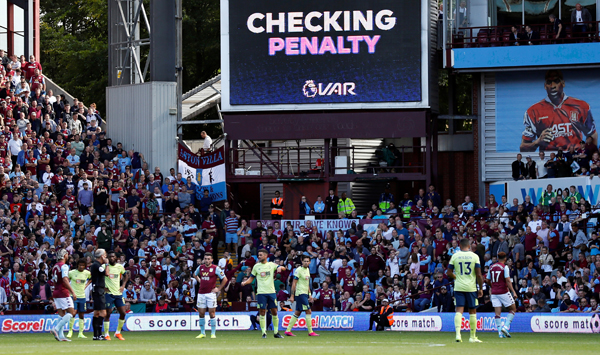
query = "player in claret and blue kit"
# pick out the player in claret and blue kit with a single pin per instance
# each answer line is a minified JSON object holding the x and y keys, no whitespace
{"x":499,"y":277}
{"x":61,"y":294}
{"x":206,"y":275}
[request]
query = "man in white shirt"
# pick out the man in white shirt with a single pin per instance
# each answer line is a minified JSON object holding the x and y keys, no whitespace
{"x":207,"y":142}
{"x":534,"y":223}
{"x":14,"y":147}
{"x":224,"y":260}
{"x":542,"y":171}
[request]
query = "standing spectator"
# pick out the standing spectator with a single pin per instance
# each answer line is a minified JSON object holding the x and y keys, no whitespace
{"x":319,"y":207}
{"x":557,"y":28}
{"x":331,"y":204}
{"x":231,"y":228}
{"x":531,"y":170}
{"x":345,"y":206}
{"x":277,"y":206}
{"x":580,"y":19}
{"x":518,"y":168}
{"x":304,"y":207}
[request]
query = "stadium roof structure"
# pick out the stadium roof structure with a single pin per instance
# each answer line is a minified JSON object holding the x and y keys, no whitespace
{"x":201,"y":98}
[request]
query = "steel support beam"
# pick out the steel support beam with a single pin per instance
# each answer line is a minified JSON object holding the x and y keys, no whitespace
{"x":199,"y":122}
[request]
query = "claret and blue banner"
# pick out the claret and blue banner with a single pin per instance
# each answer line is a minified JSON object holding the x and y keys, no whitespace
{"x":207,"y":172}
{"x":339,"y":321}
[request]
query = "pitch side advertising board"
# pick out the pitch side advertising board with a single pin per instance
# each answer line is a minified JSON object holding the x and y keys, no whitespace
{"x":340,"y":321}
{"x":314,"y":54}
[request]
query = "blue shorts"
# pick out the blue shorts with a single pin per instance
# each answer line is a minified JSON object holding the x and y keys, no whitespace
{"x":466,"y":299}
{"x":302,"y":303}
{"x":80,"y":305}
{"x":266,"y":301}
{"x":114,"y":301}
{"x":231,"y":238}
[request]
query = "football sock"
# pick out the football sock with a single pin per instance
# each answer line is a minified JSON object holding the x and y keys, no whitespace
{"x":106,"y":327}
{"x":213,"y":326}
{"x":202,"y":325}
{"x":309,"y":323}
{"x":99,"y":325}
{"x":81,"y":326}
{"x":71,"y":323}
{"x":457,"y":323}
{"x":262,"y":320}
{"x":95,"y":326}
{"x":292,"y":323}
{"x":473,"y":324}
{"x":275,"y":324}
{"x":509,"y":319}
{"x":120,"y":326}
{"x":498,"y":323}
{"x":61,"y":324}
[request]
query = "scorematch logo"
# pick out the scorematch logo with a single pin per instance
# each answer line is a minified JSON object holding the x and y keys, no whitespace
{"x":10,"y":325}
{"x":483,"y":323}
{"x":322,"y":322}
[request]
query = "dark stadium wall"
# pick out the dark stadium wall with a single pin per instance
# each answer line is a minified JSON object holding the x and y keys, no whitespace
{"x":457,"y":176}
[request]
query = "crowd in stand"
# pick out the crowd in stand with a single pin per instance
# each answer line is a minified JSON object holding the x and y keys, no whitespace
{"x":64,"y":185}
{"x":554,"y":253}
{"x":583,"y":160}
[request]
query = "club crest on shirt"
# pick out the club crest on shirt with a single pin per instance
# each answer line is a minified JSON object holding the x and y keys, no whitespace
{"x":264,"y":274}
{"x":574,"y":115}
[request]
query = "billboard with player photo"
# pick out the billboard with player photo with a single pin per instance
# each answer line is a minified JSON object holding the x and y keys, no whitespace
{"x":546,"y":110}
{"x":279,"y":55}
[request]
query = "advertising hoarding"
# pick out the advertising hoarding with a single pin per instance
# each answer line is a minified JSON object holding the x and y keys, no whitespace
{"x":588,"y":188}
{"x":340,"y":321}
{"x":323,"y":55}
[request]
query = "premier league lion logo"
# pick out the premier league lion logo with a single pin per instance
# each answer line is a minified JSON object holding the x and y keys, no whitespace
{"x":309,"y":89}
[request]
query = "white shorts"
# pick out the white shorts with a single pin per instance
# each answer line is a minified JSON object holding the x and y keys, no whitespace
{"x":63,"y":303}
{"x":505,"y":300}
{"x":207,"y":300}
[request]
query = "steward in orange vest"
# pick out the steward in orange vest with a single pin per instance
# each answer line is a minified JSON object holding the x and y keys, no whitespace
{"x":277,"y":207}
{"x":383,"y":317}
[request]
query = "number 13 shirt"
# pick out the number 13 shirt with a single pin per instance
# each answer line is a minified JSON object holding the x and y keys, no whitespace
{"x":463,"y":264}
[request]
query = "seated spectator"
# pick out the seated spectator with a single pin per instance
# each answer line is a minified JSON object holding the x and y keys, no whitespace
{"x":531,"y":37}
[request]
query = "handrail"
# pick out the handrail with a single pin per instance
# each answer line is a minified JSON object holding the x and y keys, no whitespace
{"x":296,"y":161}
{"x":498,"y":36}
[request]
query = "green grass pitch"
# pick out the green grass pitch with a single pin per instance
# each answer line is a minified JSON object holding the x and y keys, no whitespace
{"x":250,"y":343}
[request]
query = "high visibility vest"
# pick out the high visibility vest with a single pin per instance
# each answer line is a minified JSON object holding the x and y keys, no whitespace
{"x":390,"y":316}
{"x":406,"y":211}
{"x":384,"y":202}
{"x":277,"y":211}
{"x":346,"y":207}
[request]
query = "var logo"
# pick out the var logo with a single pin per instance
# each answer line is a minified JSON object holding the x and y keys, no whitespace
{"x":310,"y":89}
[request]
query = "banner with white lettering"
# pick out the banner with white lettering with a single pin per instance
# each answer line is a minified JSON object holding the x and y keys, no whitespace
{"x":322,"y":225}
{"x":207,"y":172}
